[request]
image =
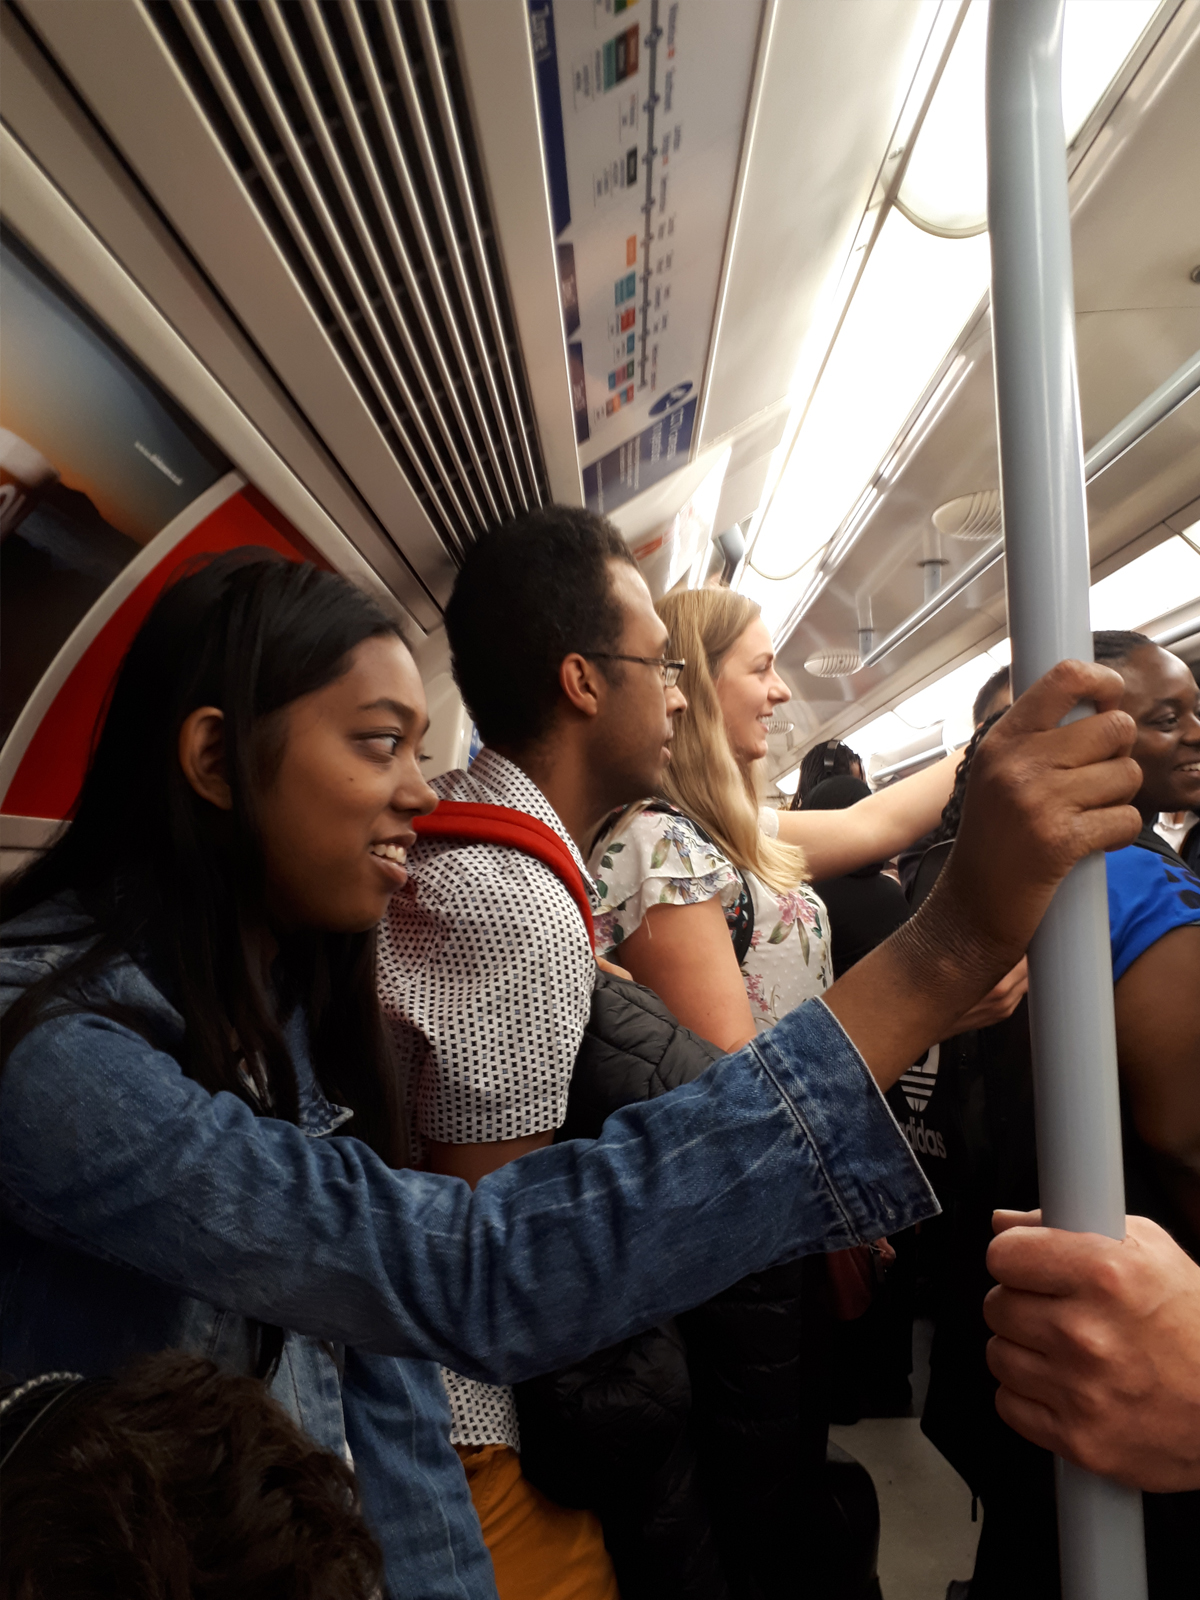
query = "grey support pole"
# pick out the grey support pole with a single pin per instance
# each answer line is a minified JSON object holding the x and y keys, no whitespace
{"x":1102,"y":1552}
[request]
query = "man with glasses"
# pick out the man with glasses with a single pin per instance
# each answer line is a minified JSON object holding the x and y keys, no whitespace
{"x":485,"y":966}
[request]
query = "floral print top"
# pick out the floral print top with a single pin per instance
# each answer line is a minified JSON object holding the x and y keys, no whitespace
{"x":664,"y":858}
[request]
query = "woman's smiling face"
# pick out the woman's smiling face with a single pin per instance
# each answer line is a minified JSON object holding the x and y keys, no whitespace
{"x":749,"y":689}
{"x":1162,"y":698}
{"x":337,"y":814}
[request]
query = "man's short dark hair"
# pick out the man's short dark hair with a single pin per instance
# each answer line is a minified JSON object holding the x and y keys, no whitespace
{"x":998,"y":680}
{"x":529,"y":594}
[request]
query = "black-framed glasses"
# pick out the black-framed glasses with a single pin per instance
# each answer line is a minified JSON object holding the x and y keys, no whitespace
{"x":670,"y":669}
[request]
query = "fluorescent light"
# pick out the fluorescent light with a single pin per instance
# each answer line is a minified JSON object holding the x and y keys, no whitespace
{"x":915,"y":295}
{"x":950,"y":697}
{"x":1097,"y":37}
{"x":912,"y":301}
{"x":884,"y":733}
{"x":790,"y":781}
{"x":1160,"y":581}
{"x":946,"y":181}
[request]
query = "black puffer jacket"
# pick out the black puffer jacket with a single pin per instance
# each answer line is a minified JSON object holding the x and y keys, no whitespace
{"x":700,"y":1444}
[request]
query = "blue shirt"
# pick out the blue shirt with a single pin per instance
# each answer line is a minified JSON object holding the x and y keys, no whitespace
{"x":1149,"y":894}
{"x":142,"y":1212}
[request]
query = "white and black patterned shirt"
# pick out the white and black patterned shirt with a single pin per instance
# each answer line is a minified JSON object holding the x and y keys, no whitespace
{"x":486,"y":975}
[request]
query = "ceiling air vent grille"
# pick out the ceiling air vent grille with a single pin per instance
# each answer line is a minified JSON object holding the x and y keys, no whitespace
{"x":971,"y":516}
{"x":349,"y":127}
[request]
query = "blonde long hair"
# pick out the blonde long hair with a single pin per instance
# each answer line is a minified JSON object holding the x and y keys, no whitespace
{"x":705,"y":778}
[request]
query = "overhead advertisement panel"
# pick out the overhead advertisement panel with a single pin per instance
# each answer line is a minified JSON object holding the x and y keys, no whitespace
{"x":642,"y":107}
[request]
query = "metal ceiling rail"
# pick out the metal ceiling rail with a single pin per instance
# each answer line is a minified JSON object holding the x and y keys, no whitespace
{"x":1080,"y":1174}
{"x":1155,"y":408}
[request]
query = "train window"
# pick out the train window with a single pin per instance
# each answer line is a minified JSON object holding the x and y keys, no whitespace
{"x":94,"y":461}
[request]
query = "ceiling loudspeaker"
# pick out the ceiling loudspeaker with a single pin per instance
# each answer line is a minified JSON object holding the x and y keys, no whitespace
{"x":833,"y":664}
{"x":971,"y":516}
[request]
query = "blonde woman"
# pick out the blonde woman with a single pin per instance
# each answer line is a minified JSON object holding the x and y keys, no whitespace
{"x":683,"y":876}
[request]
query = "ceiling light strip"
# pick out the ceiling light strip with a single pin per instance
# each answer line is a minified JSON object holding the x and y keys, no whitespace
{"x":211,"y":61}
{"x":874,"y":216}
{"x":383,"y":283}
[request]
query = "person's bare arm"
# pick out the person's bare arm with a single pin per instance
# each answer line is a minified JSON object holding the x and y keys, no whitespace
{"x":475,"y":1161}
{"x":685,"y":955}
{"x":1097,"y":1348}
{"x":1040,"y":798}
{"x":877,"y":828}
{"x":1158,"y":1051}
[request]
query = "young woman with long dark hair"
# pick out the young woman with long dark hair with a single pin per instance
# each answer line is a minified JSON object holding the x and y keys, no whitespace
{"x":188,"y":979}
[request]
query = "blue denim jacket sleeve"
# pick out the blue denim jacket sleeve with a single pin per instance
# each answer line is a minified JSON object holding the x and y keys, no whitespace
{"x":423,"y":1516}
{"x":784,"y":1149}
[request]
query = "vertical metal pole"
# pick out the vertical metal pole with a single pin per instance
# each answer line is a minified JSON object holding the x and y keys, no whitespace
{"x":1101,"y":1542}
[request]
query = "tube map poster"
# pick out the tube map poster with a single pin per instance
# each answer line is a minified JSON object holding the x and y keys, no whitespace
{"x":643,"y":104}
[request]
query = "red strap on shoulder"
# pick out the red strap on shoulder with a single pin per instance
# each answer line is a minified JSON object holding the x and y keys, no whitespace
{"x":484,"y":824}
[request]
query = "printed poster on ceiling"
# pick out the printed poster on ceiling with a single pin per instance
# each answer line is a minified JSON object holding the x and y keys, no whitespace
{"x":643,"y":104}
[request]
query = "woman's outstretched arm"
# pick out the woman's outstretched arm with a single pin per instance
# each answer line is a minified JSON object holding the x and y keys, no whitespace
{"x":837,"y":842}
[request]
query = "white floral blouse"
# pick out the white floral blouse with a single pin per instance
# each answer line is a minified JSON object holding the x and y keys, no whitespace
{"x":664,"y":859}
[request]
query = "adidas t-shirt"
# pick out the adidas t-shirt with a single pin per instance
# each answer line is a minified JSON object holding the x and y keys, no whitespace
{"x":1150,"y":892}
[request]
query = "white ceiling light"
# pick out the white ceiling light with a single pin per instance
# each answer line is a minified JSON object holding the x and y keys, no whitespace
{"x":911,"y":304}
{"x":915,"y":295}
{"x":1162,"y":580}
{"x":945,"y":186}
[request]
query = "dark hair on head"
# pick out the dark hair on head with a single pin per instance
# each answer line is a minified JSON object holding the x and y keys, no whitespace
{"x":1111,"y":646}
{"x":952,"y":811}
{"x":829,"y":759}
{"x":999,"y":679}
{"x":837,"y":794}
{"x":178,"y":1481}
{"x":167,"y":878}
{"x":529,"y":594}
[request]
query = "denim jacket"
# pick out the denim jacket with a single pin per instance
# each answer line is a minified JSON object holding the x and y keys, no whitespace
{"x":142,"y":1212}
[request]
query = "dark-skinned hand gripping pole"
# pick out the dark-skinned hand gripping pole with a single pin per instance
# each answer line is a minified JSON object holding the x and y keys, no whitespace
{"x":1101,"y":1544}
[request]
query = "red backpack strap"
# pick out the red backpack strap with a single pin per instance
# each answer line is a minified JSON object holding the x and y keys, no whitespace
{"x":484,"y":824}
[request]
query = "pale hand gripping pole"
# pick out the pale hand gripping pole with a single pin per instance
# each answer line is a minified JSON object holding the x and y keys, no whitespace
{"x":1101,"y":1541}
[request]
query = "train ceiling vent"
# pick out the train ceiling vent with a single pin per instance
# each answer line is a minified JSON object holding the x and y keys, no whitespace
{"x":833,"y":664}
{"x":971,"y":516}
{"x":348,"y":124}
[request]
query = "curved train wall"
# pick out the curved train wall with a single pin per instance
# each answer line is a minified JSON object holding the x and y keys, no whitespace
{"x":106,"y":490}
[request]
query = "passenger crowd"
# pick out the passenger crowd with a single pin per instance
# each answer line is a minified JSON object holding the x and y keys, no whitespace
{"x":467,"y":1188}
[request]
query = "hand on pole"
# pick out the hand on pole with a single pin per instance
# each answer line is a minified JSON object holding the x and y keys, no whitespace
{"x":1040,"y":797}
{"x":1097,"y":1348}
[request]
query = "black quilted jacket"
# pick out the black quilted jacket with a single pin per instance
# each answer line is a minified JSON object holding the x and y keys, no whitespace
{"x":701,"y":1443}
